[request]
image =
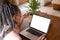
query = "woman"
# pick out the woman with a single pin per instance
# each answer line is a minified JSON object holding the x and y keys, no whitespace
{"x":18,"y":19}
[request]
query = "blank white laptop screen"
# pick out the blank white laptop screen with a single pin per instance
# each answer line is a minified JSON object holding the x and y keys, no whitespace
{"x":40,"y":23}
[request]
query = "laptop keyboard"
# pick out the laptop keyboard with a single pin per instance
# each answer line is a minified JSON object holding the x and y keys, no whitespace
{"x":34,"y":32}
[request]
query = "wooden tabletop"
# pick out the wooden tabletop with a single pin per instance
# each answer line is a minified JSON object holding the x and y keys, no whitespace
{"x":54,"y":28}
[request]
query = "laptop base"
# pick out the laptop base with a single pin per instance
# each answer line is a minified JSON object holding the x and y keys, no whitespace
{"x":28,"y":35}
{"x":35,"y":32}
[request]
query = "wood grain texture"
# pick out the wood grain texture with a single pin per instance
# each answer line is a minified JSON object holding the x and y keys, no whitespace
{"x":54,"y":29}
{"x":56,"y":6}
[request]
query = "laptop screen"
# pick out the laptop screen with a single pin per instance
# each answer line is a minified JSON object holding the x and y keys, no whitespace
{"x":40,"y":23}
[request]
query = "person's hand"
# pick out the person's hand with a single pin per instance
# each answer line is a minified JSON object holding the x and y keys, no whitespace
{"x":25,"y":15}
{"x":42,"y":37}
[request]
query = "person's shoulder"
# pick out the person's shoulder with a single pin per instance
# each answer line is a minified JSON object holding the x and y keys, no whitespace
{"x":14,"y":35}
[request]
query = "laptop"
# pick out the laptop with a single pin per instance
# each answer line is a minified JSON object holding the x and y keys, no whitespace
{"x":39,"y":26}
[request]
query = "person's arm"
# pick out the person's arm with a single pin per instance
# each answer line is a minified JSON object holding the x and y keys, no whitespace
{"x":24,"y":16}
{"x":19,"y":20}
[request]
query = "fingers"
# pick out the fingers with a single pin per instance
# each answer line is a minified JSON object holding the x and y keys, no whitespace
{"x":45,"y":39}
{"x":25,"y":15}
{"x":42,"y":37}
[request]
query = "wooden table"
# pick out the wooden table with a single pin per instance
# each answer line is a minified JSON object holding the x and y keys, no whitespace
{"x":54,"y":29}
